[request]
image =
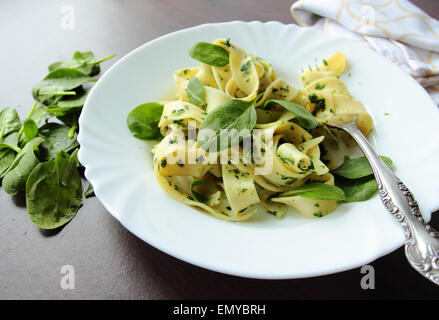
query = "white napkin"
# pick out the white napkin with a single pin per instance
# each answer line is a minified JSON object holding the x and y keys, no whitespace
{"x":397,"y":29}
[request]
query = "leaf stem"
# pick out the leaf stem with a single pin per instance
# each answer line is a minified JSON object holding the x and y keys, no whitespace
{"x":101,"y":60}
{"x":20,"y":133}
{"x":62,"y":93}
{"x":31,"y":113}
{"x":61,"y":109}
{"x":72,"y":131}
{"x":16,"y":149}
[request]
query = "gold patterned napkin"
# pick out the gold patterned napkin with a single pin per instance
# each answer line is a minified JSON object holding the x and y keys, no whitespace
{"x":397,"y":29}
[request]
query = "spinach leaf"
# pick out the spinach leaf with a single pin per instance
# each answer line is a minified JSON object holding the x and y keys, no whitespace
{"x":30,"y":124}
{"x":89,"y":192}
{"x":11,"y":139}
{"x":59,"y":83}
{"x":74,"y":101}
{"x":199,"y":196}
{"x":143,"y":120}
{"x":55,"y":111}
{"x":317,"y":191}
{"x":7,"y":155}
{"x":9,"y":121}
{"x":4,"y":145}
{"x":54,"y":192}
{"x":358,"y":189}
{"x":68,"y":115}
{"x":15,"y":177}
{"x":83,"y":61}
{"x":195,"y":92}
{"x":226,"y":125}
{"x":39,"y":114}
{"x":209,"y":54}
{"x":357,"y":168}
{"x":57,"y":138}
{"x":306,"y":119}
{"x":10,"y":142}
{"x":71,"y":119}
{"x":69,"y":103}
{"x":30,"y":129}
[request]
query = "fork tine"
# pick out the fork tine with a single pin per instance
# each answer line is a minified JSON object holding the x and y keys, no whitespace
{"x":342,"y":123}
{"x":316,"y":67}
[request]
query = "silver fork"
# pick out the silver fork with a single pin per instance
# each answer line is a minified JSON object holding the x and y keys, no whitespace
{"x":310,"y":68}
{"x":421,"y":240}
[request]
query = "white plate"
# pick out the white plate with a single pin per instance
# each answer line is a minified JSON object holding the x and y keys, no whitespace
{"x":120,"y":166}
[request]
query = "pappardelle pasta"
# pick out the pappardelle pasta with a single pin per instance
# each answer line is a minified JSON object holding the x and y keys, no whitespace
{"x":237,"y":138}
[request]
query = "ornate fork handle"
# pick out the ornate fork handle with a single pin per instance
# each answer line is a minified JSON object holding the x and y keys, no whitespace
{"x":422,"y":241}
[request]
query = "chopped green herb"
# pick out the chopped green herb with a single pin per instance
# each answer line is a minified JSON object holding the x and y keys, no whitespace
{"x":319,"y":102}
{"x":245,"y":68}
{"x":318,"y":214}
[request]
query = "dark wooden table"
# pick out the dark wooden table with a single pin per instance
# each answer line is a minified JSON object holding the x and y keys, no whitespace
{"x":109,"y":262}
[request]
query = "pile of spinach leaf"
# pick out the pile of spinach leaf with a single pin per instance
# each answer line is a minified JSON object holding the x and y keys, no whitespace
{"x":38,"y":156}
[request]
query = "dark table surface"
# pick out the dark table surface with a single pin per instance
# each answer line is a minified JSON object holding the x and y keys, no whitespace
{"x":110,"y":262}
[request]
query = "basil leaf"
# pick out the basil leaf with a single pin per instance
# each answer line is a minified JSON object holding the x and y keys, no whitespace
{"x":317,"y":191}
{"x":15,"y":177}
{"x":54,"y":192}
{"x":195,"y":92}
{"x":357,"y":168}
{"x":59,"y":83}
{"x":226,"y":124}
{"x":199,"y":196}
{"x":9,"y":121}
{"x":143,"y":121}
{"x":56,"y":139}
{"x":30,"y":129}
{"x":306,"y":119}
{"x":359,"y":189}
{"x":209,"y":54}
